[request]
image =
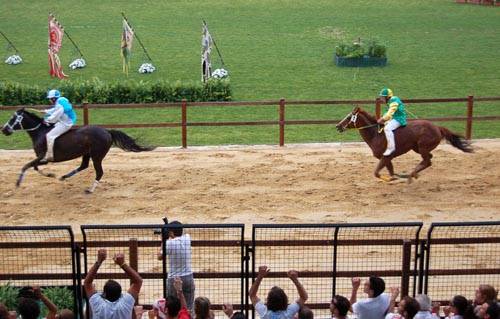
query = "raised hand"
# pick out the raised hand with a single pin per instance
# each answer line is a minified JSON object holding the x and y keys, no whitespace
{"x":102,"y":254}
{"x":119,"y":259}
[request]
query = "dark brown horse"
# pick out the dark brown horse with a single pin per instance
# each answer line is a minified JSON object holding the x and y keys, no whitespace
{"x":90,"y":142}
{"x":419,"y":135}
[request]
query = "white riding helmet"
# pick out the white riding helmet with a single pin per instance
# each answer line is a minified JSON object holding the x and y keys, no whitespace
{"x":53,"y":94}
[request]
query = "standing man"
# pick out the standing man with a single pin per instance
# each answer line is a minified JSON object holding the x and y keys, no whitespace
{"x":111,"y":304}
{"x":394,"y":117}
{"x":178,"y":249}
{"x":62,"y":115}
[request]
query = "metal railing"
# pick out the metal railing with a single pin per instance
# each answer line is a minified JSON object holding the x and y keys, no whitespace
{"x":454,"y":258}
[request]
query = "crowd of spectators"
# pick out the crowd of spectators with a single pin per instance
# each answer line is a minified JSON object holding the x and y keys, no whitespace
{"x":181,"y":303}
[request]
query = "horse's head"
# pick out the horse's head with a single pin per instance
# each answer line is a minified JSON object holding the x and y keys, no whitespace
{"x":20,"y":120}
{"x":349,"y":121}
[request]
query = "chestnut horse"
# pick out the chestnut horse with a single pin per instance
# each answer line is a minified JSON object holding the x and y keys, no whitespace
{"x":89,"y":142}
{"x":419,"y":135}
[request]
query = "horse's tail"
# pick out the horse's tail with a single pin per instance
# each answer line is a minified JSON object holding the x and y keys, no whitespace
{"x":127,"y":143}
{"x":456,"y":140}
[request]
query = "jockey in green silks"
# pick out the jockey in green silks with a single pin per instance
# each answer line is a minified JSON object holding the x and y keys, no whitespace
{"x":394,"y":117}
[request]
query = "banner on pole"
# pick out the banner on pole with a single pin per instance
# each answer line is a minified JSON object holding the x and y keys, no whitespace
{"x":206,"y":49}
{"x":126,"y":45}
{"x":56,"y":33}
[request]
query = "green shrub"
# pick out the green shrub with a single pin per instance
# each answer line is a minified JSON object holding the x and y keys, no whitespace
{"x":359,"y":49}
{"x":62,"y":297}
{"x":8,"y":296}
{"x":96,"y":91}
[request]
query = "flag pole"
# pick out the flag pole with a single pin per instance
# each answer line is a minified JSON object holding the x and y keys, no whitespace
{"x":215,"y":44}
{"x":139,"y":40}
{"x":10,"y":43}
{"x":73,"y":42}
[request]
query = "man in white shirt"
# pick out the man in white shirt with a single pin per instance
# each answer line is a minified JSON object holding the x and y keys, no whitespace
{"x":376,"y":305}
{"x":178,"y":249}
{"x":112,"y":304}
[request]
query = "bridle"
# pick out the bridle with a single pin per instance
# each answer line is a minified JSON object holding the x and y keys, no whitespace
{"x":353,"y":120}
{"x":19,"y":121}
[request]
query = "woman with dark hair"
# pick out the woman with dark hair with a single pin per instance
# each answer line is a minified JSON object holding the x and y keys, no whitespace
{"x":485,"y":293}
{"x":276,"y":306}
{"x":339,"y":306}
{"x":461,"y":308}
{"x":202,"y":308}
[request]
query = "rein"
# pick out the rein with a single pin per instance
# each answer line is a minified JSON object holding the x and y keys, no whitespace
{"x":354,"y":118}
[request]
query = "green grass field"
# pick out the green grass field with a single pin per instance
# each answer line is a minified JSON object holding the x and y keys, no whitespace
{"x":273,"y":49}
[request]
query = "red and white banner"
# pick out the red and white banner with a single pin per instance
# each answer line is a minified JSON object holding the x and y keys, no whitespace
{"x":56,"y":33}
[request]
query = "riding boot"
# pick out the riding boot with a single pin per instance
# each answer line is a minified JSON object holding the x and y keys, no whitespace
{"x":49,"y":155}
{"x":391,"y":147}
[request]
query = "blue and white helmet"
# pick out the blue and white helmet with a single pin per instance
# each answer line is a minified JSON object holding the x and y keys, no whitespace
{"x":53,"y":94}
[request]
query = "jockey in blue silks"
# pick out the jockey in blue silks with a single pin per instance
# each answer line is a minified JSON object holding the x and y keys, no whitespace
{"x":62,"y":115}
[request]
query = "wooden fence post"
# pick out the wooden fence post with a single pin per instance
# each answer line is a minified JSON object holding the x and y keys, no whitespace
{"x":470,"y":107}
{"x":405,"y":275}
{"x":85,"y":114}
{"x":184,"y":123}
{"x":282,"y":121}
{"x":377,"y":108}
{"x":133,"y":251}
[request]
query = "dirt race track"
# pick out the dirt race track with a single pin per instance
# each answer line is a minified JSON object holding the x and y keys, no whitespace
{"x":296,"y":184}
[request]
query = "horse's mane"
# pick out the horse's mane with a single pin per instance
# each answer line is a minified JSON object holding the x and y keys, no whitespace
{"x":368,"y":116}
{"x":32,"y":115}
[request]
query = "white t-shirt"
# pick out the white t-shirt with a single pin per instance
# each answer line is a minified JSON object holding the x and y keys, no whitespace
{"x":179,"y":256}
{"x":290,"y":311}
{"x":372,"y":308}
{"x":105,"y":309}
{"x":394,"y":316}
{"x":425,"y":315}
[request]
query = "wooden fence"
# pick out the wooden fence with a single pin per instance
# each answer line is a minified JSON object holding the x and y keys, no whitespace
{"x":281,"y":122}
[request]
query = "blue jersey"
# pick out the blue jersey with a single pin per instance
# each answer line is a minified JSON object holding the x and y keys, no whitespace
{"x":68,"y":108}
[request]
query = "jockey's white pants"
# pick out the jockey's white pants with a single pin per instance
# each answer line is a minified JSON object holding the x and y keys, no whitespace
{"x":58,"y":130}
{"x":389,"y":127}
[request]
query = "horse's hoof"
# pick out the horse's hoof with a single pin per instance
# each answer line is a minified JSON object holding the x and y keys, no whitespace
{"x":51,"y":175}
{"x":387,"y":178}
{"x":62,"y":178}
{"x":88,"y":191}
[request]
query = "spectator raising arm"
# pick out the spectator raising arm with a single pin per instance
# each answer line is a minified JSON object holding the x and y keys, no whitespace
{"x":47,"y":302}
{"x":356,"y":282}
{"x":394,"y":296}
{"x":135,"y":278}
{"x":263,"y":271}
{"x":294,"y":276}
{"x":180,"y":294}
{"x":87,"y":283}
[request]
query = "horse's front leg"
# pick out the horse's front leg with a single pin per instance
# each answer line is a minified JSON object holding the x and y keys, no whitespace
{"x":33,"y":163}
{"x":381,"y":164}
{"x":384,"y":162}
{"x":42,"y":172}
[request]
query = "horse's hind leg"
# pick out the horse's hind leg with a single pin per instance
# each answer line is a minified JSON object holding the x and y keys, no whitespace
{"x":98,"y":174}
{"x":83,"y":166}
{"x":426,"y":162}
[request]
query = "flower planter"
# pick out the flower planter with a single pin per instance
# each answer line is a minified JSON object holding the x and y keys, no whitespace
{"x":365,"y":61}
